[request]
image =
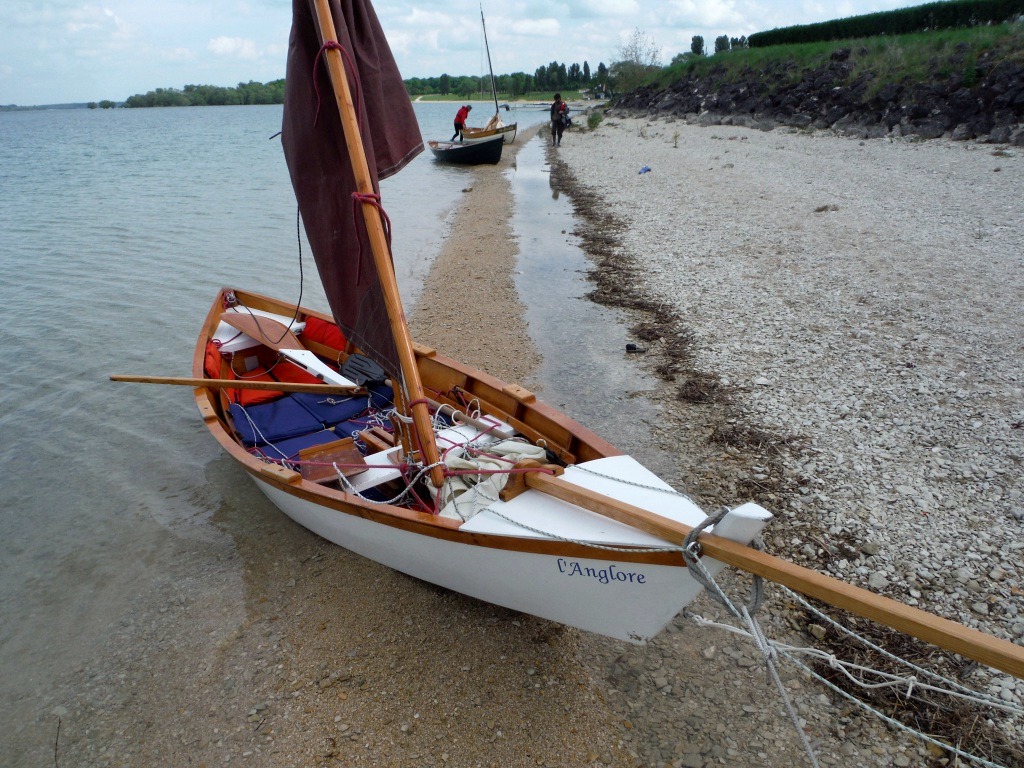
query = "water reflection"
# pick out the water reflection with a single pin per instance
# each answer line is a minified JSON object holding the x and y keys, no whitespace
{"x":586,"y":371}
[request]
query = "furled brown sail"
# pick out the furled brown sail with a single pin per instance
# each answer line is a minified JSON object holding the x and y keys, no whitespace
{"x":320,"y":168}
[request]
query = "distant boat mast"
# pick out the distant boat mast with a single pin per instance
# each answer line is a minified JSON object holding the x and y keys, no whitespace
{"x":494,"y":90}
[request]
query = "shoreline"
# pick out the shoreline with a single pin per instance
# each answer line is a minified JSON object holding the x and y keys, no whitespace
{"x":480,"y":252}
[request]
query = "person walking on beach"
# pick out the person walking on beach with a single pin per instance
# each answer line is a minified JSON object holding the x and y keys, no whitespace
{"x":460,"y":121}
{"x":559,"y":119}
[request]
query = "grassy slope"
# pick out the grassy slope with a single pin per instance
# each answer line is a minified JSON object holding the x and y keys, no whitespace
{"x":917,"y":57}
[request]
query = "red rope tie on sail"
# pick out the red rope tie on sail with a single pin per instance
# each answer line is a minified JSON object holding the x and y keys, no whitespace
{"x":334,"y":45}
{"x":374,"y":200}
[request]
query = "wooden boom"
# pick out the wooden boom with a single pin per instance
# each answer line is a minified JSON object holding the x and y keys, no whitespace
{"x":270,"y":386}
{"x":986,"y":649}
{"x":379,"y":245}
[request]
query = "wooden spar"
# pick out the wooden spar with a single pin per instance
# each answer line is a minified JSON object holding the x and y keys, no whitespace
{"x":483,"y":426}
{"x":378,"y":243}
{"x":271,"y":386}
{"x":986,"y":649}
{"x":494,"y":90}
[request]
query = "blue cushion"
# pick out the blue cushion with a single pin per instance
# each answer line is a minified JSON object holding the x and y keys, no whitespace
{"x":334,"y":409}
{"x":273,"y":421}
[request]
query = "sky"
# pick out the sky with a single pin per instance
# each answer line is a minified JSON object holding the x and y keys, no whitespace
{"x":67,"y":51}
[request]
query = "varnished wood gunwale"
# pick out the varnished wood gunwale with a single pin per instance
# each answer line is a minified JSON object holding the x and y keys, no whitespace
{"x":421,"y":523}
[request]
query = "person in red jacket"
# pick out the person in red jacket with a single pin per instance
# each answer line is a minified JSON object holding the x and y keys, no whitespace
{"x":460,"y":121}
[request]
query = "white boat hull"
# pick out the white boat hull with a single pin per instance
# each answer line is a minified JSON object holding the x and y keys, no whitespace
{"x":626,"y":600}
{"x":553,"y":551}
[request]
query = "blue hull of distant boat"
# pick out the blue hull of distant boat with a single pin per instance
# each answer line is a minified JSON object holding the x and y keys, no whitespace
{"x":487,"y":152}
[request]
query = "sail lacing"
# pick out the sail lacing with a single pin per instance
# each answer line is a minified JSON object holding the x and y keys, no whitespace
{"x":372,"y":199}
{"x":334,"y":45}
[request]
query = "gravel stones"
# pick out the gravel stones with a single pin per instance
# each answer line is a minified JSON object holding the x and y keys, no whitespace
{"x":869,"y":295}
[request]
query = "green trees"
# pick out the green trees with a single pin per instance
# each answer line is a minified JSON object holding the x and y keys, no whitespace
{"x":210,"y":95}
{"x":951,"y":14}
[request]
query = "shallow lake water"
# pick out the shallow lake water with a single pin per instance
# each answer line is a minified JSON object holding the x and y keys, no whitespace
{"x":586,"y":370}
{"x":119,"y":226}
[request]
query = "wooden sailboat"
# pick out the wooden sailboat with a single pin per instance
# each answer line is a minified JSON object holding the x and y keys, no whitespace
{"x":480,"y":152}
{"x":435,"y":469}
{"x":494,"y":127}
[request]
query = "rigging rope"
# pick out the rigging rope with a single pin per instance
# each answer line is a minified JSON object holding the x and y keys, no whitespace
{"x":770,"y":650}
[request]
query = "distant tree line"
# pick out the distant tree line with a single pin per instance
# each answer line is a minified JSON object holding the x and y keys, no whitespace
{"x":950,"y":14}
{"x":555,"y":76}
{"x":723,"y":43}
{"x":211,"y":95}
{"x":105,"y":104}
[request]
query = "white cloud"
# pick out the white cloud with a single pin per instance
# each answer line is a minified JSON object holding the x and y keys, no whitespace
{"x":605,"y":8}
{"x":89,"y":18}
{"x":179,"y":54}
{"x":707,"y":13}
{"x":537,"y":28}
{"x":235,"y":47}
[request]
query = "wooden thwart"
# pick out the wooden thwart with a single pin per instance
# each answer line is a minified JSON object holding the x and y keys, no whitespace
{"x":986,"y":649}
{"x":377,"y":439}
{"x":317,"y":463}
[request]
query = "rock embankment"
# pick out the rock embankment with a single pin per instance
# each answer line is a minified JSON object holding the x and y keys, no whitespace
{"x":983,"y":103}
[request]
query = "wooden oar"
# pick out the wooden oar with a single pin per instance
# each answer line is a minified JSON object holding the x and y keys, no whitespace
{"x":379,"y":244}
{"x":272,"y":386}
{"x":986,"y":649}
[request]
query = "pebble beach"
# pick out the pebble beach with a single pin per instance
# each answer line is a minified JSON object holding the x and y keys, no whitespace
{"x":859,"y":303}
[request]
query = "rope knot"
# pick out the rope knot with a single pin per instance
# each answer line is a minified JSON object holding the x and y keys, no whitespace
{"x":332,"y":45}
{"x":911,"y":682}
{"x":368,"y":198}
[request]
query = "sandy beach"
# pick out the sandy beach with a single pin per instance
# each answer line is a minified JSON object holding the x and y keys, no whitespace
{"x":836,"y":328}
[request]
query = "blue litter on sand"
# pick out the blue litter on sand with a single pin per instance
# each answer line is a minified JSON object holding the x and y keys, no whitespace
{"x":645,"y":169}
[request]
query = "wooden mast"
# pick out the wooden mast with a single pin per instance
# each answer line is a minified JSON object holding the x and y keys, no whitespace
{"x":379,"y":244}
